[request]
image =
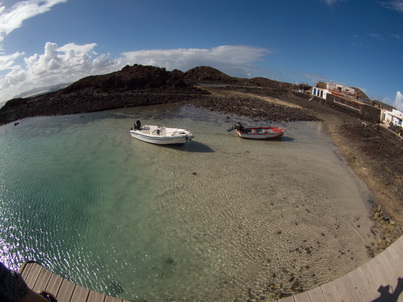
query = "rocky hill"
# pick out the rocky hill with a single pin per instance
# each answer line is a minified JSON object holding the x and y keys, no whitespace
{"x":130,"y":79}
{"x":135,"y":85}
{"x":132,"y":86}
{"x":208,"y":75}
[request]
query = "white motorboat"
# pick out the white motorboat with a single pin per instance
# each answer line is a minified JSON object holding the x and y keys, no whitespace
{"x":160,"y":135}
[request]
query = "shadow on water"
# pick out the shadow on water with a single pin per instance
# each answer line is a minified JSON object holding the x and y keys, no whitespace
{"x":197,"y":147}
{"x":285,"y":139}
{"x":191,"y":146}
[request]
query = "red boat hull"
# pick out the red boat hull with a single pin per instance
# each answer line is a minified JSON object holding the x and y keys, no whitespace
{"x":261,"y":132}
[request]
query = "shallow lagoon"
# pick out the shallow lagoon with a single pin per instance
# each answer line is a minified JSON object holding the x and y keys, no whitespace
{"x":218,"y":219}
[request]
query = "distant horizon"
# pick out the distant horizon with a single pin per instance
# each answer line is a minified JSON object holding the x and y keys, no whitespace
{"x":48,"y":42}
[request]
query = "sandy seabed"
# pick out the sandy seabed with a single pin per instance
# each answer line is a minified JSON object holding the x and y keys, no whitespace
{"x":232,"y":219}
{"x":265,"y":219}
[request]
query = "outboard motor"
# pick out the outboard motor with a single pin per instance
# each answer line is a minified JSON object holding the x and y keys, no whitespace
{"x":137,"y":126}
{"x":237,"y":126}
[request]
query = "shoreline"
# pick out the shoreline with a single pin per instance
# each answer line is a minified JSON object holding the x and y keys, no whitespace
{"x":386,"y":212}
{"x":372,"y":153}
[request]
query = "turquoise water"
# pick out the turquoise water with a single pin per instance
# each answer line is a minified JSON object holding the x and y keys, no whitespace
{"x":210,"y":221}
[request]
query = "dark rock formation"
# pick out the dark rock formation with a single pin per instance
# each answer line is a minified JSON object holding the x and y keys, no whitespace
{"x":132,"y":86}
{"x":208,"y":75}
{"x":130,"y":78}
{"x":140,"y":85}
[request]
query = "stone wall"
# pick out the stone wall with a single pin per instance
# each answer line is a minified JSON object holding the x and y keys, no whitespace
{"x":357,"y":109}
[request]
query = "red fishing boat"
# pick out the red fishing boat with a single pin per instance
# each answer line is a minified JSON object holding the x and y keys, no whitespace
{"x":257,"y":132}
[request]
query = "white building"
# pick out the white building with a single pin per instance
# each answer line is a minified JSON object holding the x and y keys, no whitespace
{"x":340,"y":88}
{"x":394,"y":117}
{"x":322,"y":89}
{"x":320,"y":92}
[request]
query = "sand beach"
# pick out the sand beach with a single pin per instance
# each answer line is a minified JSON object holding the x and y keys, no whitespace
{"x":373,"y":152}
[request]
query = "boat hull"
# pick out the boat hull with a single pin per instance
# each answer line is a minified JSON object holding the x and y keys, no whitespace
{"x":261,"y":133}
{"x":162,"y":135}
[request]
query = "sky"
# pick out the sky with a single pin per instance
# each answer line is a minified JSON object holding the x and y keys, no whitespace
{"x":357,"y":43}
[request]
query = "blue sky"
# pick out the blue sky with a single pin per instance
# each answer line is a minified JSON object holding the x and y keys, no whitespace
{"x":352,"y":42}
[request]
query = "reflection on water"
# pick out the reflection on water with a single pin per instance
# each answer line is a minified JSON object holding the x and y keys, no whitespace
{"x":218,"y":219}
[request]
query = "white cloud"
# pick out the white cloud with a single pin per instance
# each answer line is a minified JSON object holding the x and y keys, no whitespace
{"x":102,"y":61}
{"x":399,"y":101}
{"x":13,"y":18}
{"x":395,"y":36}
{"x":78,"y":49}
{"x":56,"y":65}
{"x":395,"y":5}
{"x":232,"y":59}
{"x":72,"y":62}
{"x":376,"y":36}
{"x":331,"y":2}
{"x":15,"y":76}
{"x":7,"y":61}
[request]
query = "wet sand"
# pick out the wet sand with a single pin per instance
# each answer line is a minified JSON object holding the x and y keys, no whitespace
{"x":373,"y":153}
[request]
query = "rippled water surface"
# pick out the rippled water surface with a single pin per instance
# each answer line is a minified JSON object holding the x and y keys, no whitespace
{"x":218,"y":219}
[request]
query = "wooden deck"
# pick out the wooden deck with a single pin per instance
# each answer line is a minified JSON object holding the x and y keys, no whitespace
{"x":377,"y":280}
{"x":38,"y":278}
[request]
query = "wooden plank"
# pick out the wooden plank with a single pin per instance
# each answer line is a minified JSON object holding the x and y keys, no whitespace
{"x":397,"y":249}
{"x":371,"y":283}
{"x":380,"y":269}
{"x":394,"y":257}
{"x":352,"y":287}
{"x":397,"y":254}
{"x":80,"y":294}
{"x":342,"y":290}
{"x":112,"y":299}
{"x":25,"y":269}
{"x":316,"y":295}
{"x":399,"y":245}
{"x":366,"y":284}
{"x":39,"y":278}
{"x":302,"y":297}
{"x":54,"y":284}
{"x":377,"y":277}
{"x":33,"y":275}
{"x":287,"y":299}
{"x":391,"y":268}
{"x":66,"y":291}
{"x":95,"y":297}
{"x":43,"y":280}
{"x":329,"y":292}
